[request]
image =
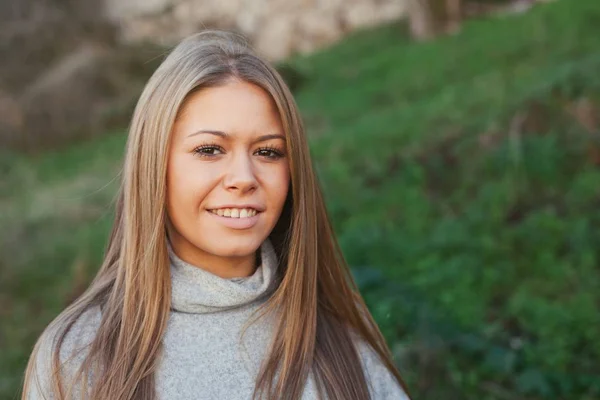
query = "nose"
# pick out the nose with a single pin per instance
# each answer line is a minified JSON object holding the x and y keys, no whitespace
{"x":240,"y":175}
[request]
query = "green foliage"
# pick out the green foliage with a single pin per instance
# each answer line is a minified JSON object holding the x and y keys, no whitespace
{"x":459,"y":169}
{"x":462,"y":179}
{"x":55,"y":217}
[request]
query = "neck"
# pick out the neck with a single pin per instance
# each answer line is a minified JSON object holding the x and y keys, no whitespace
{"x":226,"y":267}
{"x":198,"y":291}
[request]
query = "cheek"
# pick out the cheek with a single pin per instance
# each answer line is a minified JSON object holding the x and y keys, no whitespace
{"x":279,"y":184}
{"x":186,"y":188}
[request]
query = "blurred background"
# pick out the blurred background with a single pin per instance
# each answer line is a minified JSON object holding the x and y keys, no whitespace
{"x":457,"y":141}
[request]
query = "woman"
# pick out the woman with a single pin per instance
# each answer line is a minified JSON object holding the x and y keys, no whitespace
{"x":222,"y":277}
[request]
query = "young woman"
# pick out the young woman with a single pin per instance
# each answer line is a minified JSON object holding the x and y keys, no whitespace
{"x":222,"y":277}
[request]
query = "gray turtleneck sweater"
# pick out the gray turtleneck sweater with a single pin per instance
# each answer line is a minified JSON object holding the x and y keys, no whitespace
{"x":203,"y":357}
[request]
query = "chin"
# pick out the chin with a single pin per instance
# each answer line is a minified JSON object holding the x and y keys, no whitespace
{"x":235,"y":247}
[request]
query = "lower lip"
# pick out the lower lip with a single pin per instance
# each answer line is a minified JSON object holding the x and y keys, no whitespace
{"x":237,"y":223}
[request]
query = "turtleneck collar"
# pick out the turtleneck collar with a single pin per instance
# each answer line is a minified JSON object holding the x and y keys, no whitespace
{"x":197,"y":291}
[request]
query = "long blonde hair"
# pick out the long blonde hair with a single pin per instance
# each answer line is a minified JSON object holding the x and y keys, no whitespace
{"x":319,"y":308}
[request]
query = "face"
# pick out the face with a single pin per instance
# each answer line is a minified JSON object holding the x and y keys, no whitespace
{"x":227,"y":175}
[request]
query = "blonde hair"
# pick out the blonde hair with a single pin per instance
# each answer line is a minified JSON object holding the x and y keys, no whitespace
{"x":322,"y":306}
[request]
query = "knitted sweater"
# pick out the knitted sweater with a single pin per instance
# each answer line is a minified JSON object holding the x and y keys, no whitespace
{"x":203,"y":356}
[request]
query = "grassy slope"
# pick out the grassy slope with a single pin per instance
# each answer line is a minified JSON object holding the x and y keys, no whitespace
{"x":452,"y":166}
{"x":457,"y":167}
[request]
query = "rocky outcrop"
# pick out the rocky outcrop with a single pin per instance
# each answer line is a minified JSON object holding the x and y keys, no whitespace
{"x":75,"y":69}
{"x":277,"y":28}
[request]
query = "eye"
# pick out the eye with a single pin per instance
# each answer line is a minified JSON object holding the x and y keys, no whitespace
{"x":208,"y":150}
{"x":270,"y":153}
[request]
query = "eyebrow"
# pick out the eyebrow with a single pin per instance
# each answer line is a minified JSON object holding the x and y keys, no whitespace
{"x":228,"y":136}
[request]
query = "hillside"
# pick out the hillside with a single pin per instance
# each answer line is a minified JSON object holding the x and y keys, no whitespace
{"x":462,"y":176}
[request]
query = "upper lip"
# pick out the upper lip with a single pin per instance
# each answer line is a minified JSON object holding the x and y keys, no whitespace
{"x":253,"y":206}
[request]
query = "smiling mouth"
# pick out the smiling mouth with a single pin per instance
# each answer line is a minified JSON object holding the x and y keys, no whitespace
{"x":235,"y":212}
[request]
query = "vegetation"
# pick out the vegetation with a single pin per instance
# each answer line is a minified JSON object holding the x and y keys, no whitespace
{"x":462,"y":178}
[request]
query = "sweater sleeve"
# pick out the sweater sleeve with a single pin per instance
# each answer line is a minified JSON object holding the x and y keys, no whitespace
{"x":39,"y":382}
{"x":382,"y":383}
{"x":71,"y":356}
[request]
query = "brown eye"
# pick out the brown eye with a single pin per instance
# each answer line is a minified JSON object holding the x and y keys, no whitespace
{"x":208,"y":150}
{"x":270,"y":153}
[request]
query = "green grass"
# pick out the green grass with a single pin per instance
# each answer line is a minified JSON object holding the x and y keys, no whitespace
{"x":55,"y":214}
{"x":464,"y":190}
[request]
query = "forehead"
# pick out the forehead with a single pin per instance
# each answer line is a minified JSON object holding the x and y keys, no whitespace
{"x":238,"y":108}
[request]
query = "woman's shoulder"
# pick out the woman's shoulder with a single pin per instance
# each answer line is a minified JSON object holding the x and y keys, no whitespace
{"x":77,"y":336}
{"x":382,"y":382}
{"x":71,"y":354}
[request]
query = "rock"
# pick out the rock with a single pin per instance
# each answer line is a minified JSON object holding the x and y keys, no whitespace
{"x":63,"y":72}
{"x":11,"y":118}
{"x":71,"y":70}
{"x":360,"y":15}
{"x":63,"y":99}
{"x":275,"y":39}
{"x":320,"y":29}
{"x":83,"y":94}
{"x":277,"y":28}
{"x":119,"y":10}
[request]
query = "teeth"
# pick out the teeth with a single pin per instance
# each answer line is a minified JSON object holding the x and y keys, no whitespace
{"x":235,"y":212}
